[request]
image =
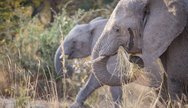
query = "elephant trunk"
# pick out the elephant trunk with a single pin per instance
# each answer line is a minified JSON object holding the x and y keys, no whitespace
{"x":59,"y":66}
{"x":100,"y":69}
{"x":57,"y":61}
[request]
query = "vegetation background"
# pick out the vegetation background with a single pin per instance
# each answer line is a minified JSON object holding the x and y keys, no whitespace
{"x":30,"y":32}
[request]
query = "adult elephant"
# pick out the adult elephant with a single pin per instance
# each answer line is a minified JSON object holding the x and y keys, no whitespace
{"x":151,"y":29}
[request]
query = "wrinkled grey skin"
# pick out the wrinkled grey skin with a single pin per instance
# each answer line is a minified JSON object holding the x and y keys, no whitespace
{"x":153,"y":29}
{"x":78,"y":44}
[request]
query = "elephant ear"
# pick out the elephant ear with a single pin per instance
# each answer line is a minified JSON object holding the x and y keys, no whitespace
{"x":166,"y":20}
{"x":96,"y":19}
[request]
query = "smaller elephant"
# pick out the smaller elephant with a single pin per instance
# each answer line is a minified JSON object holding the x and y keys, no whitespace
{"x":79,"y":44}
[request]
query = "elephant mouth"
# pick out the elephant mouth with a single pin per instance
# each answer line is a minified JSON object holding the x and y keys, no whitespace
{"x":134,"y":51}
{"x":132,"y":48}
{"x":68,"y":56}
{"x":136,"y":60}
{"x":133,"y":57}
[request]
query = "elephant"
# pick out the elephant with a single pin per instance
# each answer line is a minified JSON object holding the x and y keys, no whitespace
{"x":58,"y":65}
{"x":153,"y":30}
{"x":79,"y":44}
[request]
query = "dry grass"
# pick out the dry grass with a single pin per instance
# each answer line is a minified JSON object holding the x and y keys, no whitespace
{"x":138,"y":96}
{"x":26,"y":65}
{"x":134,"y":96}
{"x":126,"y":68}
{"x":27,"y":90}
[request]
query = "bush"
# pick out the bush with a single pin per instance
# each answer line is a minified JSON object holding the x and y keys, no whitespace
{"x":26,"y":60}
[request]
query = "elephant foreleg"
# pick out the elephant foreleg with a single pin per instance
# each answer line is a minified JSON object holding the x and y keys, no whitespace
{"x":91,"y":85}
{"x":175,"y":88}
{"x":116,"y":92}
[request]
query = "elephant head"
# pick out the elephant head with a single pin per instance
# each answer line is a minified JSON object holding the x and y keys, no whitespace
{"x":81,"y":39}
{"x":145,"y":27}
{"x":79,"y":43}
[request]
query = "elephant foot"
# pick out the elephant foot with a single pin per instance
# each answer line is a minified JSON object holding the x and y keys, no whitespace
{"x":175,"y":89}
{"x":116,"y":92}
{"x":77,"y":105}
{"x":175,"y":104}
{"x":116,"y":105}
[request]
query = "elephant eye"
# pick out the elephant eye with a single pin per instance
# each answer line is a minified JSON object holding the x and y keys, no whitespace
{"x":116,"y":29}
{"x":74,"y":43}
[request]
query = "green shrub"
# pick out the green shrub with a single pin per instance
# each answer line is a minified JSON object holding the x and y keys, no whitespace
{"x":31,"y":52}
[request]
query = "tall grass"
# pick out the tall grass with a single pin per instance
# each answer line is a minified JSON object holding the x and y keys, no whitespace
{"x":26,"y":62}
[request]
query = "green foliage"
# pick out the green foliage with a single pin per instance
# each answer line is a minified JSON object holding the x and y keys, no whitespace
{"x":28,"y":48}
{"x":37,"y":45}
{"x":32,"y":51}
{"x":11,"y":12}
{"x":50,"y":38}
{"x":89,"y":4}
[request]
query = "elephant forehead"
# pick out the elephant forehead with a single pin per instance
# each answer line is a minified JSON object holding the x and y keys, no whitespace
{"x":77,"y":39}
{"x":135,"y":5}
{"x":128,"y":14}
{"x":130,"y":22}
{"x":78,"y":34}
{"x":130,"y":6}
{"x":79,"y":29}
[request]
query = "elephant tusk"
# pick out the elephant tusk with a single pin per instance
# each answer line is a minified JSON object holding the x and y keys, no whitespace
{"x":61,"y":56}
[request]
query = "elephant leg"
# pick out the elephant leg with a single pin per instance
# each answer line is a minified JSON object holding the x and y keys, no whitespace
{"x":91,"y":85}
{"x":175,"y":88}
{"x":116,"y":92}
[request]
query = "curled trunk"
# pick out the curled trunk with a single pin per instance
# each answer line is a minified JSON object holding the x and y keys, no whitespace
{"x":100,"y":69}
